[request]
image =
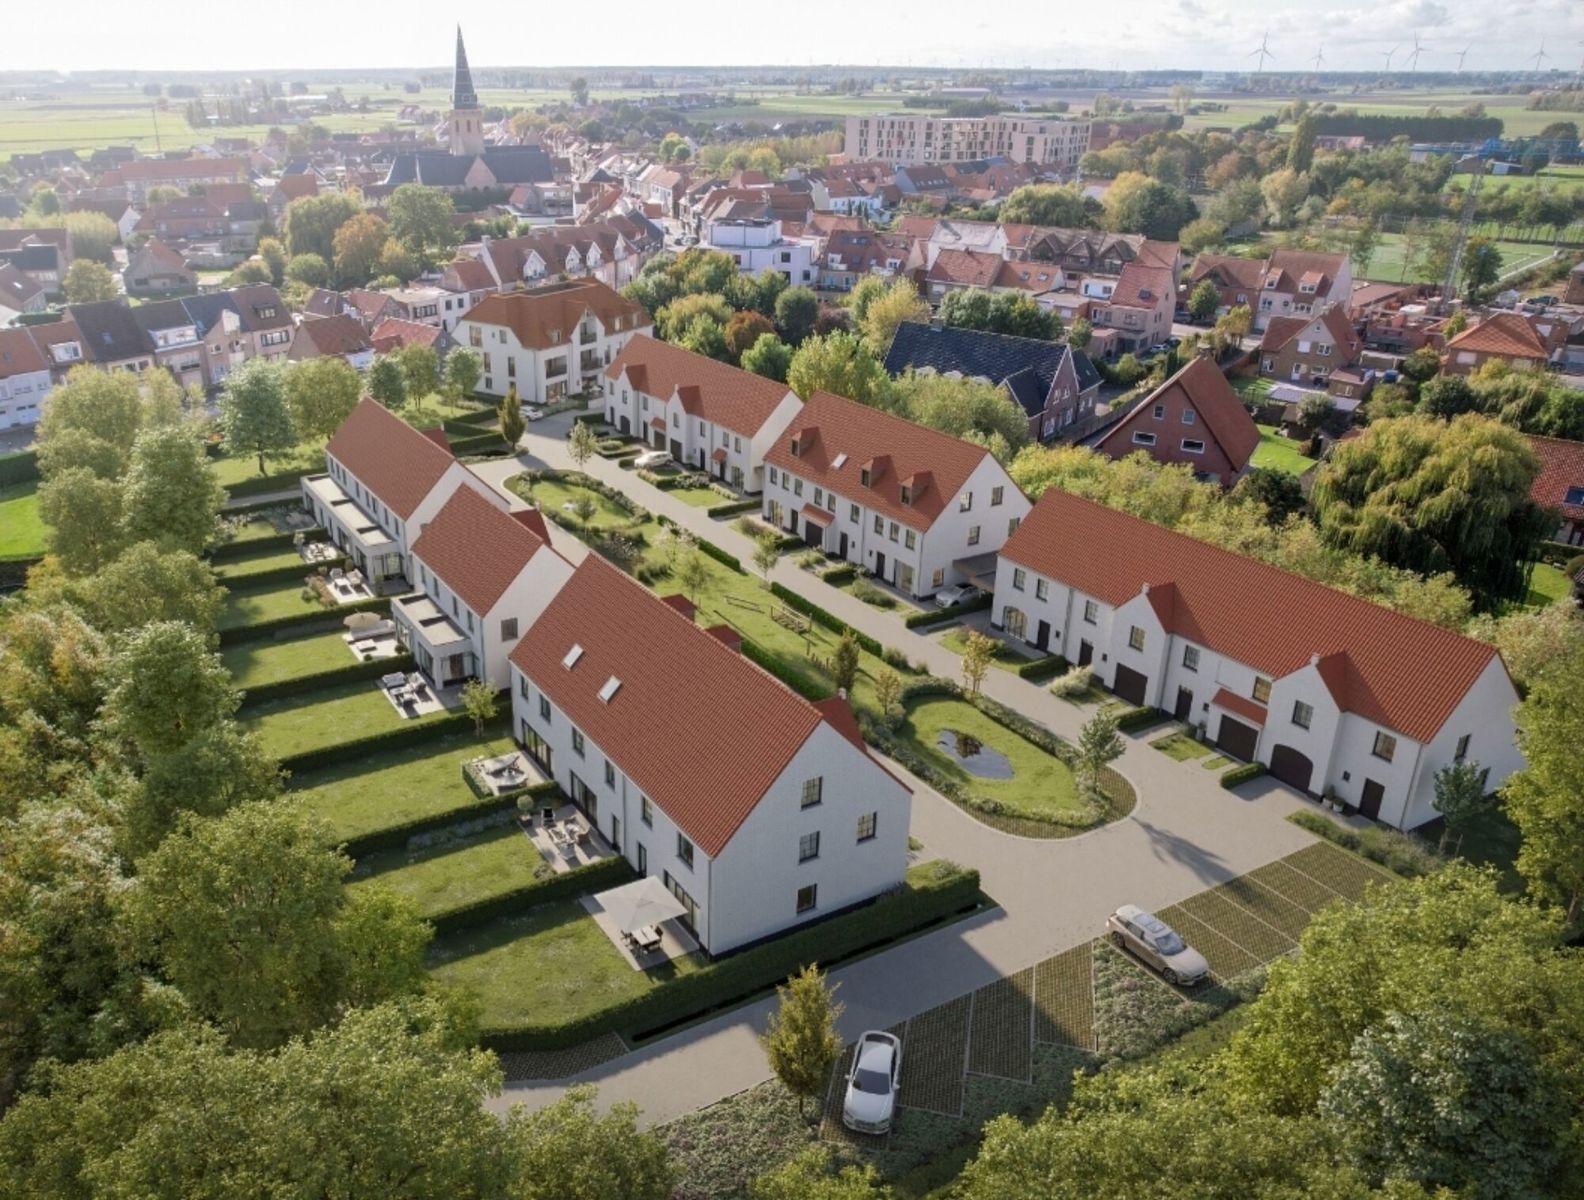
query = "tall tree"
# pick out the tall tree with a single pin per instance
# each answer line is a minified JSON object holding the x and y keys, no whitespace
{"x":1543,"y":798}
{"x":839,"y":363}
{"x":84,"y":516}
{"x":166,"y":687}
{"x":1403,"y":493}
{"x":1018,"y":315}
{"x":1301,"y":148}
{"x":145,"y":584}
{"x":769,"y":357}
{"x":801,"y":1040}
{"x":743,"y":330}
{"x":254,"y":413}
{"x":1135,"y":203}
{"x":420,"y":219}
{"x":462,"y":369}
{"x":1048,"y":204}
{"x":311,"y":222}
{"x":421,"y":369}
{"x":569,"y":1151}
{"x":1204,"y":301}
{"x":357,"y":245}
{"x":961,"y":407}
{"x":170,"y":496}
{"x":1481,"y":267}
{"x":246,"y":916}
{"x":92,"y":236}
{"x":88,"y":281}
{"x":387,"y":382}
{"x":320,"y":394}
{"x":884,"y":313}
{"x":966,"y":308}
{"x":512,"y":425}
{"x":795,"y":312}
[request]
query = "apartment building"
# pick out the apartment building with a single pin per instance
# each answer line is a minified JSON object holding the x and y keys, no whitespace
{"x":897,"y":138}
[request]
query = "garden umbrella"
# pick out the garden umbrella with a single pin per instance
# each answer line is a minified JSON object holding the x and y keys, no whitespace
{"x":361,"y":620}
{"x":642,"y":902}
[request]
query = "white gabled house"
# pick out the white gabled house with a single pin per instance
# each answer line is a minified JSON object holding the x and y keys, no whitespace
{"x":550,"y":341}
{"x":1332,"y":693}
{"x":757,"y":809}
{"x":482,"y":577}
{"x":384,"y":480}
{"x":709,"y":415}
{"x":915,"y":507}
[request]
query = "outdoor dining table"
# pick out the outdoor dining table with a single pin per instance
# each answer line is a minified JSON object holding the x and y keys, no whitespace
{"x":647,"y":938}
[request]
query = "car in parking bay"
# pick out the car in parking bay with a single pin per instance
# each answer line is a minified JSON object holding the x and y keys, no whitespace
{"x":1158,"y":944}
{"x":870,"y":1103}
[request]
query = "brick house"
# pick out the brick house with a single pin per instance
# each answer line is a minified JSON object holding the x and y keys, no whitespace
{"x":1194,"y":417}
{"x":1507,"y":337}
{"x":1309,"y":349}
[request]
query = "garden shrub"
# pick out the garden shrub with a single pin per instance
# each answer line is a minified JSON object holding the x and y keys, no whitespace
{"x":1074,"y":682}
{"x":839,"y":574}
{"x":731,"y":508}
{"x":1242,"y":774}
{"x":934,"y":616}
{"x":1141,"y":717}
{"x":869,"y":593}
{"x":1399,"y":852}
{"x":1041,"y":668}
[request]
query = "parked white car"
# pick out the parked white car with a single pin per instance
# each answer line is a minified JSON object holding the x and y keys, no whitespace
{"x":958,"y":593}
{"x":870,"y":1103}
{"x":652,"y":458}
{"x":533,"y":414}
{"x":1158,"y":944}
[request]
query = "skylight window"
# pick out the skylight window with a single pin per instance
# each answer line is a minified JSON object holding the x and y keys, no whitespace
{"x":572,"y":656}
{"x":612,"y":686}
{"x":836,"y":463}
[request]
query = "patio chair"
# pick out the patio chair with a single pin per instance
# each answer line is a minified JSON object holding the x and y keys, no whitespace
{"x":392,"y":681}
{"x":547,"y":818}
{"x":355,"y":578}
{"x":337,"y":575}
{"x":582,"y":835}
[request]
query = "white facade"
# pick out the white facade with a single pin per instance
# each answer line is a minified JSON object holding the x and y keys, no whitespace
{"x":757,"y":245}
{"x":548,"y":375}
{"x":1309,"y":298}
{"x":1347,"y":753}
{"x":918,"y":562}
{"x":22,"y":398}
{"x":488,"y":637}
{"x":902,"y":138}
{"x":732,"y":457}
{"x":751,"y":889}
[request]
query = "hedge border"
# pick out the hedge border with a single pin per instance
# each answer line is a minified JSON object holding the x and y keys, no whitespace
{"x":807,"y":686}
{"x":1040,"y":669}
{"x":820,"y":616}
{"x":391,"y":739}
{"x":482,"y":441}
{"x":226,"y":551}
{"x":934,"y":616}
{"x":270,"y":483}
{"x":591,"y":877}
{"x":732,"y":508}
{"x":21,"y":466}
{"x":1375,"y":844}
{"x":1230,"y":779}
{"x":350,"y":673}
{"x":245,"y":580}
{"x":329,"y":617}
{"x":396,"y":837}
{"x":728,"y":982}
{"x":1141,"y":717}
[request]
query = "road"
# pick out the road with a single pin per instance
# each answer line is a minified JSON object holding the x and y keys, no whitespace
{"x":1187,"y":833}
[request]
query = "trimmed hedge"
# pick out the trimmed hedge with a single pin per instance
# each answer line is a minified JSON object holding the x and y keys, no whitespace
{"x":227,"y":551}
{"x":719,"y":555}
{"x":730,"y":981}
{"x":805,"y":684}
{"x":247,"y":579}
{"x":328,"y":617}
{"x":732,"y":508}
{"x":593,"y":877}
{"x":1401,"y":853}
{"x":934,"y":616}
{"x":838,"y":575}
{"x":396,"y":837}
{"x":1042,"y":668}
{"x":270,"y":483}
{"x":21,"y":467}
{"x":377,"y":743}
{"x":467,"y":425}
{"x":1139,"y":718}
{"x":479,"y":444}
{"x":1242,"y":774}
{"x":350,"y":673}
{"x":817,"y":614}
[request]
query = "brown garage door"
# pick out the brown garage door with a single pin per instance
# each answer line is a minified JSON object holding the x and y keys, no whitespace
{"x":1291,"y":767}
{"x":1237,"y":739}
{"x":1130,"y":685}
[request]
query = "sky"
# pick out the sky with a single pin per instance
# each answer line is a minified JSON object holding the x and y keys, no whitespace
{"x":1211,"y":35}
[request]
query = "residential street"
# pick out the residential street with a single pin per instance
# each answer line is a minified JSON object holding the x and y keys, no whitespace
{"x":1186,"y":834}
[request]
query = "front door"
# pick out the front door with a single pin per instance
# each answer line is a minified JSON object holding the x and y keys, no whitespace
{"x":1370,"y":801}
{"x":880,"y":564}
{"x":1042,"y":637}
{"x":842,"y":550}
{"x":904,"y":579}
{"x":626,"y":425}
{"x":1184,"y":704}
{"x":615,"y":831}
{"x":1085,"y":654}
{"x":813,"y":534}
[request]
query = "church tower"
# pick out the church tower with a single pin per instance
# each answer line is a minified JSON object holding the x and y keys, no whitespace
{"x":465,"y":126}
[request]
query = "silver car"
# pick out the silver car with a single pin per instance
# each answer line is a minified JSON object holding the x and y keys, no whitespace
{"x":1158,"y":944}
{"x":870,"y":1103}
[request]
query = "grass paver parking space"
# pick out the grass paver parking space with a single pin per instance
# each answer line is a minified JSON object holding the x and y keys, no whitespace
{"x":1309,"y":894}
{"x":552,"y":961}
{"x":1003,"y":1027}
{"x":1270,"y":907}
{"x":270,"y":661}
{"x":1344,"y":873}
{"x":1064,"y":998}
{"x":1226,"y":957}
{"x":396,"y":786}
{"x":327,"y":717}
{"x":935,"y":1058}
{"x":1238,"y":925}
{"x":460,"y":872}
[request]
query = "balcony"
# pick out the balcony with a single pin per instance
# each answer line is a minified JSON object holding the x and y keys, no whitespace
{"x":442,"y":651}
{"x":556,"y":368}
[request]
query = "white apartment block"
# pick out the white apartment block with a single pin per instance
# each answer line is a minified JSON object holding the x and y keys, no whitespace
{"x":756,"y":245}
{"x":901,"y":138}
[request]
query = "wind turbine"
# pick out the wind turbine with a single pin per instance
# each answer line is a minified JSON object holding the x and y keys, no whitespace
{"x":1389,"y":54}
{"x":1413,"y":55}
{"x":1319,"y":57}
{"x":1462,"y":56}
{"x":1263,"y":53}
{"x":1540,"y":57}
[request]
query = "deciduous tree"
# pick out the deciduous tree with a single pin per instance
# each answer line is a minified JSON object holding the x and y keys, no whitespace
{"x":170,"y":496}
{"x":166,"y":687}
{"x":387,"y":382}
{"x":84,"y":515}
{"x":766,"y":554}
{"x":844,"y":663}
{"x":254,"y":412}
{"x":743,"y":330}
{"x":570,"y":1151}
{"x":320,"y":394}
{"x":795,"y":312}
{"x":88,"y":281}
{"x":421,"y":370}
{"x":581,"y":444}
{"x":101,"y":404}
{"x":420,"y":219}
{"x":801,"y":1040}
{"x":92,"y":236}
{"x":1099,"y":745}
{"x":311,"y":222}
{"x":978,"y":653}
{"x":1459,"y":798}
{"x":310,"y":270}
{"x":769,"y":357}
{"x":480,"y":703}
{"x":885,"y":312}
{"x":1048,"y":204}
{"x":357,"y":245}
{"x":1204,"y":301}
{"x":1543,"y":798}
{"x":463,"y":368}
{"x":839,"y":363}
{"x":146,"y":584}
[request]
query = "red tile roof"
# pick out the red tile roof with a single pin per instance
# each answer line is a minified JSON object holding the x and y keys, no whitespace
{"x":1249,"y":709}
{"x":1505,"y":333}
{"x":1231,"y":270}
{"x":19,"y":353}
{"x":339,"y":334}
{"x":392,"y":459}
{"x":1221,"y":414}
{"x":1282,"y":330}
{"x":548,"y":316}
{"x":1561,"y":468}
{"x":712,"y":390}
{"x":1344,"y":338}
{"x":472,"y":274}
{"x":935,"y":465}
{"x":398,"y":332}
{"x":476,"y":549}
{"x":973,"y":268}
{"x":700,"y":729}
{"x":1139,"y":286}
{"x":1315,"y":266}
{"x":1405,"y":674}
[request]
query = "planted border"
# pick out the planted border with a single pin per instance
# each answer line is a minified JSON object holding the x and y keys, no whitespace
{"x":732,"y":508}
{"x":396,"y":837}
{"x":350,"y":673}
{"x":592,"y":877}
{"x":730,"y":981}
{"x":934,"y":616}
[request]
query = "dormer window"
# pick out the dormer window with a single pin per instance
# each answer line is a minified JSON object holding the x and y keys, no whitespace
{"x":907,"y":494}
{"x":1270,"y":283}
{"x":864,"y":478}
{"x":797,"y":449}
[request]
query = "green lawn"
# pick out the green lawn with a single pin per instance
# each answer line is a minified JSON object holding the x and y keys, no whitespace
{"x":325,"y":717}
{"x":270,"y":661}
{"x":554,"y":495}
{"x":260,"y":527}
{"x":1279,"y":453}
{"x":1180,"y":746}
{"x":22,"y":530}
{"x":1039,"y":783}
{"x":232,"y":469}
{"x":549,"y":963}
{"x":699,"y":497}
{"x":236,"y":570}
{"x":955,"y":639}
{"x":1547,"y":585}
{"x":250,"y":606}
{"x":444,"y":877}
{"x":1388,"y":264}
{"x":395,"y":786}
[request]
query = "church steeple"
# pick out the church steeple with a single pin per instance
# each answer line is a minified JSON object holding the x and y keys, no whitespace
{"x":465,"y":126}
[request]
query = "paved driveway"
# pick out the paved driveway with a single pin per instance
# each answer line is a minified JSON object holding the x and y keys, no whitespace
{"x":1186,"y":834}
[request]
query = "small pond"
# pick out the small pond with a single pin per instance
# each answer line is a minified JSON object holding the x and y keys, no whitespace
{"x":973,"y":755}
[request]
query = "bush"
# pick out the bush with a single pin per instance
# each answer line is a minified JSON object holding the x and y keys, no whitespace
{"x":270,"y":483}
{"x":839,"y":574}
{"x":731,"y":508}
{"x":934,"y":616}
{"x":1041,"y":668}
{"x":479,"y":443}
{"x":21,"y":467}
{"x":592,"y":877}
{"x":371,"y":669}
{"x":1242,"y":774}
{"x":1399,"y":852}
{"x":1139,"y":718}
{"x":871,"y":594}
{"x":729,"y":981}
{"x":1073,"y":682}
{"x":328,"y":618}
{"x":800,"y":679}
{"x":378,"y":743}
{"x":719,"y":555}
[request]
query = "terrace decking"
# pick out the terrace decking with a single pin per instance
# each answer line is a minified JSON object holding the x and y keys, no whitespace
{"x":561,"y":855}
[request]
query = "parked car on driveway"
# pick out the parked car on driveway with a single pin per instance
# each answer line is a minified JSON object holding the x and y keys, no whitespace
{"x":870,"y":1103}
{"x":1158,"y":944}
{"x":652,"y":458}
{"x":958,"y":593}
